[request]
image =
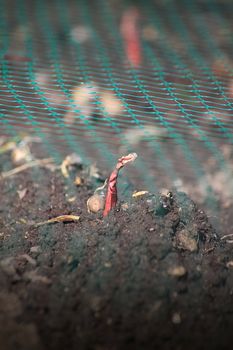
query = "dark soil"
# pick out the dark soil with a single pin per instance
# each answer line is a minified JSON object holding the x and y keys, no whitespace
{"x":153,"y":275}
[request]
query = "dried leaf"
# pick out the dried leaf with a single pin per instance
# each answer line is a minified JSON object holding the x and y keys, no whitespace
{"x":61,"y":218}
{"x":139,"y":193}
{"x":21,"y":154}
{"x":64,"y":170}
{"x":22,"y":193}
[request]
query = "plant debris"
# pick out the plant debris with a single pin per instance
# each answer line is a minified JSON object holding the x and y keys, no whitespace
{"x":60,"y":218}
{"x":21,"y":154}
{"x":79,"y":181}
{"x":71,"y":160}
{"x":22,"y":193}
{"x":139,"y":194}
{"x":38,"y":162}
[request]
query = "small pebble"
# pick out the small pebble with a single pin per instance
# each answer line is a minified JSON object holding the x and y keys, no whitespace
{"x":229,"y":264}
{"x":125,"y":206}
{"x":186,"y":242}
{"x":22,"y":193}
{"x":177,"y":271}
{"x":35,"y":249}
{"x":108,"y":264}
{"x":176,"y":319}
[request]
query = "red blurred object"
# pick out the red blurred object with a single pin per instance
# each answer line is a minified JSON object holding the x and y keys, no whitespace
{"x":111,"y":197}
{"x":131,"y":37}
{"x":16,"y":58}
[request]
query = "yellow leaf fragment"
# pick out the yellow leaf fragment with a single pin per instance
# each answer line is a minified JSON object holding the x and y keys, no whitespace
{"x":78,"y":181}
{"x":9,"y":146}
{"x":22,"y":221}
{"x":61,"y":218}
{"x":64,"y":166}
{"x":139,"y":193}
{"x":71,"y":199}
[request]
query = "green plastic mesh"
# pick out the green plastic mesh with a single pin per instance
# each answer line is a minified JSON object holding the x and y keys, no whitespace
{"x":66,"y":78}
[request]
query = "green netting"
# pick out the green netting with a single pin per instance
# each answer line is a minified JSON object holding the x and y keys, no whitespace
{"x":67,"y":78}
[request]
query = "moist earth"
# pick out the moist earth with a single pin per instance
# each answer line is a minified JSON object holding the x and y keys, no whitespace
{"x":154,"y":274}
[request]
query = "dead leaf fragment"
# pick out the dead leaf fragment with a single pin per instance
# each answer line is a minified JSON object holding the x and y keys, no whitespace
{"x":177,"y":271}
{"x":176,"y":318}
{"x":78,"y":181}
{"x":22,"y":193}
{"x":125,"y":206}
{"x":21,"y":154}
{"x":71,"y":199}
{"x":139,"y":194}
{"x":64,"y":167}
{"x":61,"y":218}
{"x":72,"y":159}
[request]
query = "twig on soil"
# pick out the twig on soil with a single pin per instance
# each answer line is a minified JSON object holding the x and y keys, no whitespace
{"x":61,"y":218}
{"x":96,"y":202}
{"x":19,"y":169}
{"x":226,"y":236}
{"x":111,"y":197}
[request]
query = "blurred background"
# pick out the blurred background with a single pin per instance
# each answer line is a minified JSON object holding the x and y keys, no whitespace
{"x":103,"y":78}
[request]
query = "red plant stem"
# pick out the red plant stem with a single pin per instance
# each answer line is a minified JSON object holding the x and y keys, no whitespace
{"x":130,"y":34}
{"x":111,"y":197}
